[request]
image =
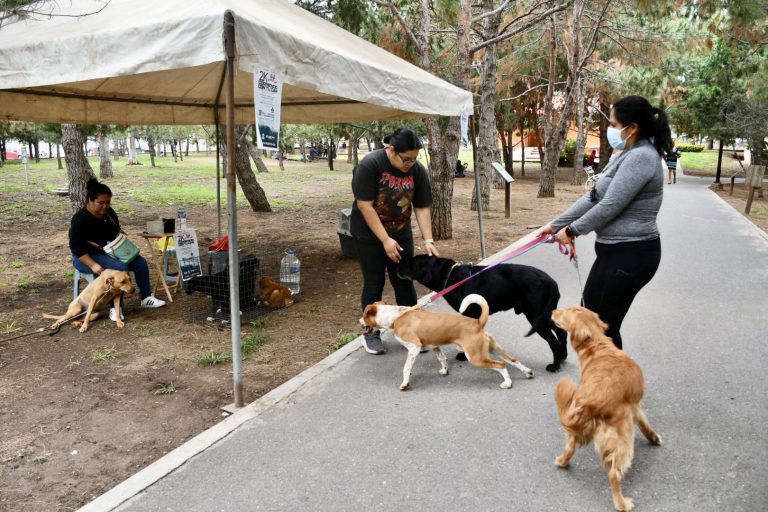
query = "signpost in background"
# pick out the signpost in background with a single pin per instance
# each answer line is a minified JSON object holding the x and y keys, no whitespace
{"x":25,"y":161}
{"x":507,"y":184}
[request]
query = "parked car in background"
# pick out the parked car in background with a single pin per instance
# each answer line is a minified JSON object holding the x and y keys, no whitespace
{"x":12,"y":155}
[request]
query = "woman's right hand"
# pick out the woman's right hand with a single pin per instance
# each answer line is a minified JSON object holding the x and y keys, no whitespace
{"x":392,"y":248}
{"x":97,"y":269}
{"x":544,"y":230}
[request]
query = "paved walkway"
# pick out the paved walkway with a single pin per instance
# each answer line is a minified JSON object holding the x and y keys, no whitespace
{"x":342,"y":437}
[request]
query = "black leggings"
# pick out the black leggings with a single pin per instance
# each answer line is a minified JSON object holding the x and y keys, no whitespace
{"x":620,"y":271}
{"x":373,"y":262}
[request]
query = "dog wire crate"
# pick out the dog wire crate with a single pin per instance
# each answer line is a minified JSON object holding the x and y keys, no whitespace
{"x":207,"y":299}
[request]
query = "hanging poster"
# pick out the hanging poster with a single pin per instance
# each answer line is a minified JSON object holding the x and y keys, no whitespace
{"x":464,"y":127}
{"x":267,"y":92}
{"x":188,"y":254}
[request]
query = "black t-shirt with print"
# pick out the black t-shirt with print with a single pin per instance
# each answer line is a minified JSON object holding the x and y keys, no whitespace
{"x":394,"y":194}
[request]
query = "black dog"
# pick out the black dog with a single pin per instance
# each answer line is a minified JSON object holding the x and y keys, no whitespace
{"x":525,"y":289}
{"x":217,"y":286}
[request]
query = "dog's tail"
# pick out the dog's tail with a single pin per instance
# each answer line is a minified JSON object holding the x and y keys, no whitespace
{"x":544,"y":320}
{"x":474,"y":298}
{"x":575,"y":417}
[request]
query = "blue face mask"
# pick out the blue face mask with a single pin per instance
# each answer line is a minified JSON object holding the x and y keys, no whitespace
{"x":614,"y":137}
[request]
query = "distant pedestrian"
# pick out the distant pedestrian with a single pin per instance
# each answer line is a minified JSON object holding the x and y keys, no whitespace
{"x":591,"y":158}
{"x":389,"y":184}
{"x":671,"y":159}
{"x":622,"y":210}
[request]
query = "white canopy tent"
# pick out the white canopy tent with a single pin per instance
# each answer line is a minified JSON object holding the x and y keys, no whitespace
{"x":187,"y":61}
{"x":150,"y":62}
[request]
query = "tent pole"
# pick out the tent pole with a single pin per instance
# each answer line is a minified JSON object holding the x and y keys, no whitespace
{"x":234,"y":265}
{"x":218,"y":174}
{"x":477,"y":193}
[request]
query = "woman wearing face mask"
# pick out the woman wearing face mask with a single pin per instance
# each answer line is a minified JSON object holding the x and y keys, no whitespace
{"x":622,"y":210}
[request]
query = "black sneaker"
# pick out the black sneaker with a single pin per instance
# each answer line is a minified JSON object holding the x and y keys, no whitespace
{"x":373,"y":344}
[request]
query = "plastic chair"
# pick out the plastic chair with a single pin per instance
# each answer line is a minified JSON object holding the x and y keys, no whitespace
{"x":76,"y":286}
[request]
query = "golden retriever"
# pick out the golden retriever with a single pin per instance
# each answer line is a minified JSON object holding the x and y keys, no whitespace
{"x":110,"y":285}
{"x":605,"y":407}
{"x":416,"y":329}
{"x":273,"y":294}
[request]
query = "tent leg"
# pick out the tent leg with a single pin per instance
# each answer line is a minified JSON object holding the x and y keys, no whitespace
{"x":234,"y":265}
{"x":218,"y":176}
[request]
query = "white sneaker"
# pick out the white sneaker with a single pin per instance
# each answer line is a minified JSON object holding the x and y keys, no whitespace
{"x":113,"y":316}
{"x":152,"y":302}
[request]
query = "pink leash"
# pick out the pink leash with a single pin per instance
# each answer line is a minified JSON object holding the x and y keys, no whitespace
{"x":563,"y":248}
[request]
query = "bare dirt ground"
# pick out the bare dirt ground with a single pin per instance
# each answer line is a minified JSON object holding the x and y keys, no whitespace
{"x":71,"y":427}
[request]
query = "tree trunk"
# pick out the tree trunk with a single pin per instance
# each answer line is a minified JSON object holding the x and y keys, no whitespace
{"x":487,"y":148}
{"x":331,"y":150}
{"x":581,"y":137}
{"x":151,"y":147}
{"x":50,"y":151}
{"x":522,"y":146}
{"x":58,"y":156}
{"x":255,"y":156}
{"x":245,"y":176}
{"x":105,"y":159}
{"x":133,"y":158}
{"x":79,"y":171}
{"x":605,"y":148}
{"x":354,"y":146}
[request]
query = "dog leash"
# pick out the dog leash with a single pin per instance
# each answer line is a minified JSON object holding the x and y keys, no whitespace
{"x":540,"y":239}
{"x":570,"y":251}
{"x":56,"y":326}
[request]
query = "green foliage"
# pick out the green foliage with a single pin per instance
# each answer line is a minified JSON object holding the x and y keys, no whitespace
{"x":252,"y":342}
{"x":105,"y":354}
{"x":344,"y":339}
{"x":213,"y":358}
{"x":165,"y":388}
{"x":689,"y":148}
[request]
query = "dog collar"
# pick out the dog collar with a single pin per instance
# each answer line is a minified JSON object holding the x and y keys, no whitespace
{"x":447,"y":277}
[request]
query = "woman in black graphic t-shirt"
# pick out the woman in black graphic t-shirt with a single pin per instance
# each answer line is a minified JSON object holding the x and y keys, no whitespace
{"x":388,"y":184}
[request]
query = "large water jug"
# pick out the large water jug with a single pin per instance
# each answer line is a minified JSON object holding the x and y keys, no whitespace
{"x":290,"y":272}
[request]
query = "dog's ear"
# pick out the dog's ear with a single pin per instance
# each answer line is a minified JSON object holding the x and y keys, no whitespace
{"x":110,"y":281}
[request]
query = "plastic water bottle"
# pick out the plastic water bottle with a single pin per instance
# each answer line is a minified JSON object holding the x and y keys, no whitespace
{"x":181,"y":214}
{"x":290,"y":272}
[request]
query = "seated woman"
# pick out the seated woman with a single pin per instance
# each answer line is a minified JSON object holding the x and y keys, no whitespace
{"x":93,"y":227}
{"x":460,"y":168}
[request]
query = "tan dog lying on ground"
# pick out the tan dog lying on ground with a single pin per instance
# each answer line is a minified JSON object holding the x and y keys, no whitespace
{"x":110,"y":285}
{"x":416,"y":329}
{"x":606,"y":405}
{"x":273,"y":294}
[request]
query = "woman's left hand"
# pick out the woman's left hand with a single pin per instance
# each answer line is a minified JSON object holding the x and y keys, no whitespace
{"x":431,"y":249}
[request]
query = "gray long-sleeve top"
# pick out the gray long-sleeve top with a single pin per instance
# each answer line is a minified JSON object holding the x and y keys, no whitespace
{"x":629,"y":194}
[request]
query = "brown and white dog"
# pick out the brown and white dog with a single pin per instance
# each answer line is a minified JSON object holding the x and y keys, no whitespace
{"x":606,"y":405}
{"x":110,"y":285}
{"x":416,"y":329}
{"x":273,"y":294}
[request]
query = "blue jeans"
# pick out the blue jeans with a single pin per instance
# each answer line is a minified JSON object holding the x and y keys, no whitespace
{"x":138,"y":266}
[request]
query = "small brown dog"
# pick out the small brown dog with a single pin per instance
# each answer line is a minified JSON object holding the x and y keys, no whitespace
{"x":273,"y":294}
{"x":606,"y":405}
{"x":110,"y":285}
{"x":416,"y":329}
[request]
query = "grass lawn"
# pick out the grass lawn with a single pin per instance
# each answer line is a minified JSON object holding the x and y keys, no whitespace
{"x":705,"y":163}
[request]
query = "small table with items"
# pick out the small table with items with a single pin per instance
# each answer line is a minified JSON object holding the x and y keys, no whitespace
{"x":157,"y":260}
